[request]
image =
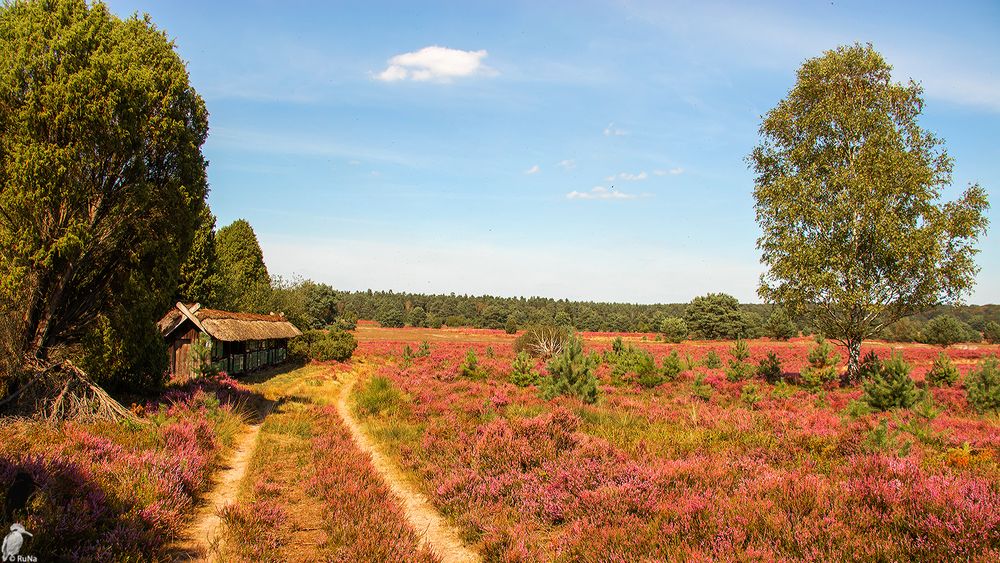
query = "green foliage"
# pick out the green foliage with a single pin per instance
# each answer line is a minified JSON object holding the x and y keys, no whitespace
{"x":246,"y":285}
{"x":822,"y":354}
{"x":780,"y":326}
{"x":199,"y":278}
{"x":522,"y":371}
{"x":201,"y":358}
{"x":510,"y":327}
{"x":324,"y":346}
{"x":749,"y":395}
{"x":946,"y":330}
{"x":700,"y":389}
{"x":880,"y":439}
{"x":712,"y":360}
{"x":718,"y":316}
{"x":102,"y":183}
{"x":892,"y":387}
{"x":943,"y":373}
{"x":991,"y":332}
{"x":870,"y":366}
{"x":982,"y":386}
{"x":378,"y":395}
{"x":822,"y":368}
{"x":571,"y":373}
{"x":424,"y":350}
{"x":672,"y":366}
{"x":674,"y":329}
{"x":470,"y":366}
{"x":769,"y":368}
{"x":307,"y":304}
{"x":417,"y":317}
{"x":847,"y":195}
{"x":903,"y":330}
{"x":390,"y":316}
{"x":740,"y":350}
{"x":434,"y":321}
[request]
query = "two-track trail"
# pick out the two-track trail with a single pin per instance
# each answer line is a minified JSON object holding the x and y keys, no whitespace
{"x":435,"y":532}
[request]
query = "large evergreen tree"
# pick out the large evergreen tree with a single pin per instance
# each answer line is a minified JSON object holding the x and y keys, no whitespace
{"x":246,"y":285}
{"x":847,"y":196}
{"x":102,"y":178}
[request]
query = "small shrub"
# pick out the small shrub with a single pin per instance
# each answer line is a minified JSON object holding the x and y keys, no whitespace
{"x":424,"y":350}
{"x":749,"y":395}
{"x":701,"y":389}
{"x":522,"y":371}
{"x":782,"y":390}
{"x":858,"y":409}
{"x":769,"y":368}
{"x":712,"y":360}
{"x":377,"y":396}
{"x":571,"y":373}
{"x":740,"y":350}
{"x":822,"y":368}
{"x":870,"y":366}
{"x":943,"y":373}
{"x":982,"y":386}
{"x":892,"y":387}
{"x":822,"y":355}
{"x":672,"y":366}
{"x":470,"y":366}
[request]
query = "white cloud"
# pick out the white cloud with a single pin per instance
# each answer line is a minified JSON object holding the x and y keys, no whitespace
{"x":533,"y":170}
{"x":600,"y":192}
{"x":627,"y":177}
{"x":672,"y":172}
{"x":612,"y":131}
{"x":567,"y":164}
{"x":434,"y":63}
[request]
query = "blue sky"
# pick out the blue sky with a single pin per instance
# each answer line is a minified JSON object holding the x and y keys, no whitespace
{"x":587,"y":150}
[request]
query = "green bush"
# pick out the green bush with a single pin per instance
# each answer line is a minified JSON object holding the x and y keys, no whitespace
{"x":424,"y":350}
{"x":522,"y":371}
{"x":870,"y":366}
{"x":470,"y":366}
{"x":390,"y":316}
{"x":892,"y":387}
{"x":943,"y":373}
{"x":982,"y":386}
{"x":780,"y":326}
{"x":672,"y":366}
{"x":712,"y":360}
{"x":822,"y":368}
{"x":947,"y":330}
{"x":331,"y":345}
{"x":571,"y":373}
{"x":769,"y":368}
{"x":701,"y":389}
{"x":749,"y":395}
{"x":377,"y":396}
{"x":674,"y":329}
{"x":991,"y":332}
{"x":718,"y":316}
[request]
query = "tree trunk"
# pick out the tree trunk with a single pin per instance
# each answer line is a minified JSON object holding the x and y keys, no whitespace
{"x":853,"y":360}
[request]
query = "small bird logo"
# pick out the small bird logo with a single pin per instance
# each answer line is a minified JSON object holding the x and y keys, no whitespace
{"x":14,"y":541}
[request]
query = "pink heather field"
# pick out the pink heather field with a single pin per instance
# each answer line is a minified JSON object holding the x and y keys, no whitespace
{"x":696,"y":468}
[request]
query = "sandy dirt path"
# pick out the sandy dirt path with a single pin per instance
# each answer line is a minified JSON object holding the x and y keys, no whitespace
{"x":201,"y":542}
{"x":434,"y":531}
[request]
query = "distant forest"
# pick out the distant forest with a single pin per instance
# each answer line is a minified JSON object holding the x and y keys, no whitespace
{"x":513,"y":313}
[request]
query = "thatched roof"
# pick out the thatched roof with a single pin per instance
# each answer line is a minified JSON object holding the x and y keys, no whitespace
{"x":228,"y":326}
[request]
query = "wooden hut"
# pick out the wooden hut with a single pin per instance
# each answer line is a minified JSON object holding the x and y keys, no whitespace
{"x":241,"y":342}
